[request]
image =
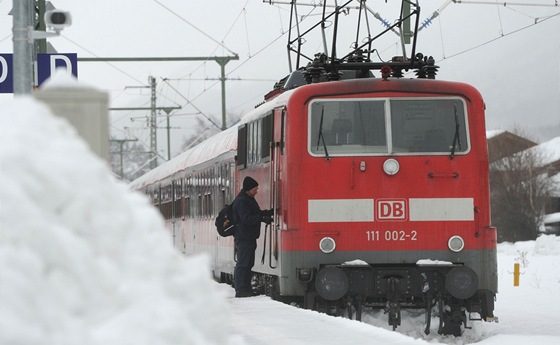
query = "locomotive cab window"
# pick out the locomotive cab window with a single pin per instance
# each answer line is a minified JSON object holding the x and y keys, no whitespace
{"x":352,"y":127}
{"x":253,"y":142}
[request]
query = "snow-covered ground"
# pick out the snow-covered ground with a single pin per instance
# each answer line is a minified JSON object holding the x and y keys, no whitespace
{"x":85,"y":261}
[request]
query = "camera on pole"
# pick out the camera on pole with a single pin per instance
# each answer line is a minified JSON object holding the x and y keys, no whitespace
{"x":57,"y":20}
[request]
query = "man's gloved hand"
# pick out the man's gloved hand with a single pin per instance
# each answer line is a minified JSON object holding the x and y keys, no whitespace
{"x":268,"y":213}
{"x":267,"y":219}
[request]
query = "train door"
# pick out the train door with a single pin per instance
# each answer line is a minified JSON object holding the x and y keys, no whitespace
{"x":276,"y":150}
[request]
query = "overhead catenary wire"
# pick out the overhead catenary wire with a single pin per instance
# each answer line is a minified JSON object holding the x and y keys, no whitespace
{"x":189,"y":102}
{"x":194,"y":27}
{"x":505,"y":3}
{"x":108,"y":63}
{"x":502,"y":36}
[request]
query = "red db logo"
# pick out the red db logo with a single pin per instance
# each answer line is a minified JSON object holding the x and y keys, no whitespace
{"x":391,"y":209}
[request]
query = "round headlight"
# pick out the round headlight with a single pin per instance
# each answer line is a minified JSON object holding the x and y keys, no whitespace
{"x":456,"y":244}
{"x":327,"y":245}
{"x":391,"y":166}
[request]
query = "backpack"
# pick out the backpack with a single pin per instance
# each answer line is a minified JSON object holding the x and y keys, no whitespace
{"x":224,"y":221}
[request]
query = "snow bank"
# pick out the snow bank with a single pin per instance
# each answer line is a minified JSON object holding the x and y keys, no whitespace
{"x":82,"y":259}
{"x":544,"y":245}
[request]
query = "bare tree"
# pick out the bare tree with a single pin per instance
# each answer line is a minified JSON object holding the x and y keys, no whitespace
{"x":203,"y":130}
{"x":128,"y":159}
{"x":520,"y":188}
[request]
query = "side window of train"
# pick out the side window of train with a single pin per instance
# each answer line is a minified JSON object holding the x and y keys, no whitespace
{"x":178,"y":198}
{"x":225,"y":184}
{"x":188,"y":192}
{"x":253,"y":142}
{"x":267,"y":136}
{"x":199,"y":196}
{"x":208,"y":194}
{"x":242,"y":147}
{"x":231,"y":181}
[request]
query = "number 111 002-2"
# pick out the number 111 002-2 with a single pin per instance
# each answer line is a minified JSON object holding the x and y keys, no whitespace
{"x":391,"y":235}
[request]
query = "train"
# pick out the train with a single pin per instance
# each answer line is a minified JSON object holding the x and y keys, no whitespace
{"x":379,"y":185}
{"x":380,"y":190}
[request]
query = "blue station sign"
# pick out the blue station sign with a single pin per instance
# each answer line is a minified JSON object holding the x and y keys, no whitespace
{"x":46,"y":66}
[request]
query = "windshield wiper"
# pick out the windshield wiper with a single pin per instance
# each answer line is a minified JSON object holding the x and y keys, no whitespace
{"x":456,"y":137}
{"x":362,"y":125}
{"x":321,"y":137}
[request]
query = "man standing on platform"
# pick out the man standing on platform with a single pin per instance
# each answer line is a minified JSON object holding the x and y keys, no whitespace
{"x":248,"y":216}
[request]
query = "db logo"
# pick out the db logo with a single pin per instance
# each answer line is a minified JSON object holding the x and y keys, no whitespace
{"x":391,"y":209}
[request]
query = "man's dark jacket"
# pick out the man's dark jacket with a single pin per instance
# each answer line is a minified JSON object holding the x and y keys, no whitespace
{"x":247,"y":215}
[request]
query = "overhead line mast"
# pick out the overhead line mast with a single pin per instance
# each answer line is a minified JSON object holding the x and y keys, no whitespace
{"x":221,"y":60}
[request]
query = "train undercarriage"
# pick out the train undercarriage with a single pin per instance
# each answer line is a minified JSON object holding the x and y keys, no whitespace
{"x":449,"y":293}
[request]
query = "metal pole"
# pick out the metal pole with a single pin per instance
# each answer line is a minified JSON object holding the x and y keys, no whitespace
{"x":121,"y":142}
{"x":222,"y":64}
{"x":168,"y":135}
{"x":23,"y":71}
{"x":153,"y":124}
{"x":40,"y":44}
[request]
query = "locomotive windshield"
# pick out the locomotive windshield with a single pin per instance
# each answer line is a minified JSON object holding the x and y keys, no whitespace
{"x":387,"y":127}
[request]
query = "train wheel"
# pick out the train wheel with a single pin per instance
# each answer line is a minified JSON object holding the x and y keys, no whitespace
{"x":358,"y":311}
{"x":395,"y":317}
{"x":309,"y":300}
{"x":452,"y":321}
{"x":428,"y":316}
{"x":354,"y":306}
{"x":452,"y":325}
{"x":350,"y":311}
{"x":440,"y":314}
{"x":272,"y":287}
{"x":393,"y":306}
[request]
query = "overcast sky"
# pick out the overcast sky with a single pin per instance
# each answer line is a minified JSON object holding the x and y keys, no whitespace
{"x":514,"y":62}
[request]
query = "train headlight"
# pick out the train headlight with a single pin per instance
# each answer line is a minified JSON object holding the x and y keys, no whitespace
{"x":391,"y":166}
{"x":327,"y":245}
{"x":461,"y":282}
{"x":456,"y":243}
{"x":331,"y":283}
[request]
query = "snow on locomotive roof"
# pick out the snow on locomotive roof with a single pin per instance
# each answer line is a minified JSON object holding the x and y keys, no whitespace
{"x":212,"y":147}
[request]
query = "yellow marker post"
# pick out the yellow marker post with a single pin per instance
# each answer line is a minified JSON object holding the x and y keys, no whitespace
{"x":516,"y":274}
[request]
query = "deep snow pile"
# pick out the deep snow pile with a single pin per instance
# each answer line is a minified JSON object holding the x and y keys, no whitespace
{"x":82,"y":259}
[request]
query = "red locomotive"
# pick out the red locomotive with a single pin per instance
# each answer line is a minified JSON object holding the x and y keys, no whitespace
{"x":379,"y":185}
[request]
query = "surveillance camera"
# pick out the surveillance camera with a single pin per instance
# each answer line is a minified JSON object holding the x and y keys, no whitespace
{"x":57,"y":19}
